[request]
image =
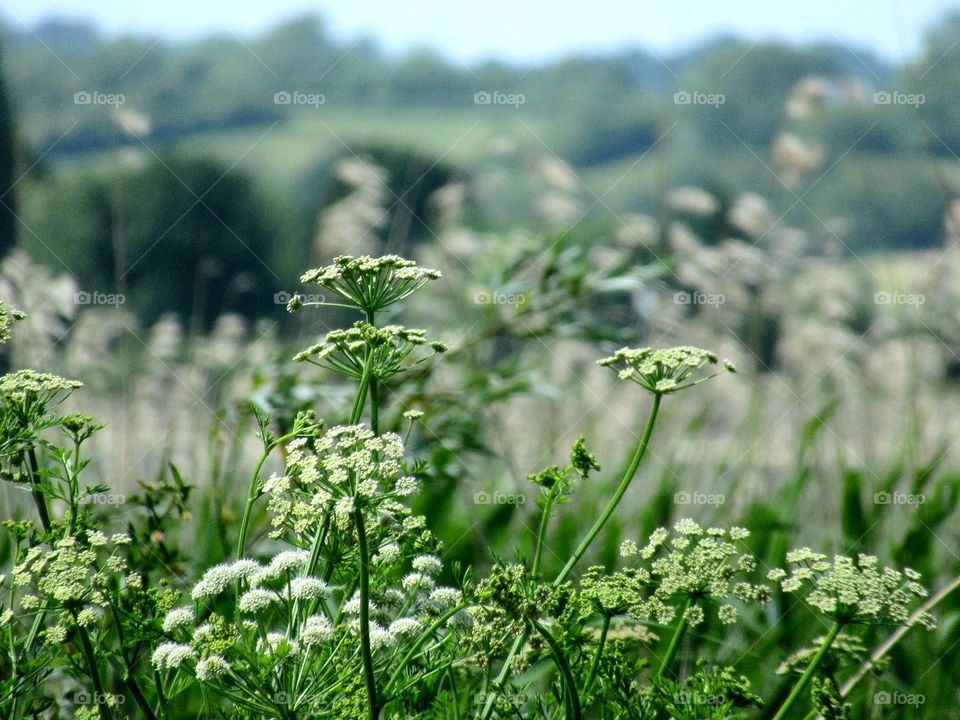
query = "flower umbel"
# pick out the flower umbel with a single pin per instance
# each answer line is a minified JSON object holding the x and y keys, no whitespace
{"x":370,"y":284}
{"x":663,"y":371}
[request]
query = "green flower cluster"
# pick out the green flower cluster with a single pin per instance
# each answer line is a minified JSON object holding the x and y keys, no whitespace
{"x":663,"y":371}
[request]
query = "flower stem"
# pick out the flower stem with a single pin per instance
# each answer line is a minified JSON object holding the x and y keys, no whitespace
{"x":674,"y":646}
{"x":38,"y":496}
{"x":91,"y":660}
{"x":415,"y":648}
{"x":542,"y":532}
{"x":617,"y":495}
{"x":595,"y":665}
{"x":808,"y":673}
{"x":573,"y":697}
{"x":254,"y":492}
{"x":364,"y":552}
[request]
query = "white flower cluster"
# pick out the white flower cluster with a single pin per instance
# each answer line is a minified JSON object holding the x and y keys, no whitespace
{"x":852,"y":591}
{"x":662,"y":371}
{"x":346,"y":467}
{"x":369,"y":283}
{"x":694,"y":564}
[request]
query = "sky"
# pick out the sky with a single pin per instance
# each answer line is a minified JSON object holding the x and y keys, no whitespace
{"x":521,"y":30}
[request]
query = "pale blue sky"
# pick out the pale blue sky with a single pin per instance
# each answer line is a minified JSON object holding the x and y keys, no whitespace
{"x":522,"y":30}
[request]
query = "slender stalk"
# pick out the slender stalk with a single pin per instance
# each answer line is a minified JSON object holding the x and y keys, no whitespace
{"x":674,"y":646}
{"x":374,"y":390}
{"x":38,"y":496}
{"x":542,"y":532}
{"x":573,"y":697}
{"x":595,"y":665}
{"x":808,"y":673}
{"x":617,"y":495}
{"x":585,"y":543}
{"x":91,"y":660}
{"x":369,"y":677}
{"x":253,"y":492}
{"x":415,"y":648}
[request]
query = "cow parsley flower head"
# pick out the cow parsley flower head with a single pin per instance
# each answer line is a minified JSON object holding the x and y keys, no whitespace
{"x":852,"y":591}
{"x":317,"y":629}
{"x":28,"y":393}
{"x":664,"y":371}
{"x":257,"y":600}
{"x":346,"y":351}
{"x":306,"y":588}
{"x":282,"y":564}
{"x":212,"y":667}
{"x":170,"y":656}
{"x":8,"y":316}
{"x":691,"y":563}
{"x":178,"y":619}
{"x":370,"y":284}
{"x":220,"y":577}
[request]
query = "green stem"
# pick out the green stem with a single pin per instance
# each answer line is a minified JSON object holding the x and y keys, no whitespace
{"x":415,"y":648}
{"x":253,"y":492}
{"x":674,"y":646}
{"x":361,"y":398}
{"x":367,"y":655}
{"x":585,"y":544}
{"x":88,"y":654}
{"x":38,"y":496}
{"x":542,"y":532}
{"x":808,"y":673}
{"x":573,"y":697}
{"x":374,"y":390}
{"x":617,"y":495}
{"x":595,"y":665}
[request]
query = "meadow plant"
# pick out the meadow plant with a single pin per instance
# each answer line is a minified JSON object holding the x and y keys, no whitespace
{"x":340,"y":604}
